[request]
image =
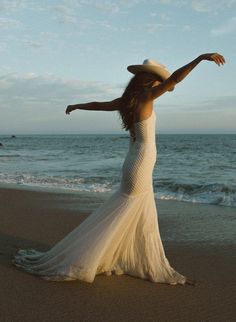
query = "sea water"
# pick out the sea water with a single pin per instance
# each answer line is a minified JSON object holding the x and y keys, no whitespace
{"x":190,"y":167}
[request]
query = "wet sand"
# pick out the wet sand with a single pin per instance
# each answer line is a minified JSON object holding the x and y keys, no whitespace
{"x":39,"y":219}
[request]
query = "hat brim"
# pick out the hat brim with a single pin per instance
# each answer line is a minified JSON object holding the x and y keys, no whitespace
{"x":161,"y":72}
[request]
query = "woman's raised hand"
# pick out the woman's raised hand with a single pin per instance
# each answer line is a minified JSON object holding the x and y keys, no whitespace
{"x":69,"y":109}
{"x":217,"y":58}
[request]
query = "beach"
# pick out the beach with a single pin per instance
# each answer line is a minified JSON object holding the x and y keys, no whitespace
{"x":38,"y":219}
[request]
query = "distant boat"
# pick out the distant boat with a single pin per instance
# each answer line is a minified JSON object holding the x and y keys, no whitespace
{"x":1,"y":144}
{"x":13,"y":136}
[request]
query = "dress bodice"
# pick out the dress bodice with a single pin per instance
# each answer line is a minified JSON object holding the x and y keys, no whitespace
{"x":140,"y":160}
{"x":145,"y":130}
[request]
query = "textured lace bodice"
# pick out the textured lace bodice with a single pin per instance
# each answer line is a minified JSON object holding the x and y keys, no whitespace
{"x":139,"y":163}
{"x":145,"y":130}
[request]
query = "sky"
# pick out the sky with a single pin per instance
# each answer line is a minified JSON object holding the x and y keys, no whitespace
{"x":57,"y":53}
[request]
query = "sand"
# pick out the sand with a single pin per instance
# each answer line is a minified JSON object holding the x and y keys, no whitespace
{"x":32,"y":219}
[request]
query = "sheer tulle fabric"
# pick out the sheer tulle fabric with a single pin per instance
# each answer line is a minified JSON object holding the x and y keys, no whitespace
{"x":121,"y":236}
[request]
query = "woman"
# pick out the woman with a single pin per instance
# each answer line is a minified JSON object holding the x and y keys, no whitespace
{"x":122,"y":235}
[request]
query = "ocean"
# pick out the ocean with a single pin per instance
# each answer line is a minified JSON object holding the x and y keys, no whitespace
{"x":195,"y":168}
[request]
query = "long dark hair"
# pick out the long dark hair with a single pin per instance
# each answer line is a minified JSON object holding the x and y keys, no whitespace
{"x":130,"y":98}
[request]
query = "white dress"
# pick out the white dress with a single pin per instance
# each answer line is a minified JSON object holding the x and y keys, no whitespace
{"x":121,"y":236}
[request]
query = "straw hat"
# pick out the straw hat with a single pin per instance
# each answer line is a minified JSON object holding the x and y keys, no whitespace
{"x":150,"y":66}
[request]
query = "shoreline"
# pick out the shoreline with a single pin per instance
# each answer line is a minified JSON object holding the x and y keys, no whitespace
{"x":181,"y":221}
{"x":68,"y":191}
{"x":33,"y":219}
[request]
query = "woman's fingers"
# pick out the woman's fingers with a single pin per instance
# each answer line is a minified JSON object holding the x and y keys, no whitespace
{"x":68,"y":109}
{"x":222,"y":59}
{"x":218,"y":59}
{"x":215,"y":59}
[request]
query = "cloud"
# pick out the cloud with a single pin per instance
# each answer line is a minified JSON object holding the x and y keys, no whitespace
{"x":222,"y":103}
{"x":108,"y":26}
{"x":187,"y":28}
{"x":69,"y":12}
{"x":31,"y":43}
{"x":84,"y":25}
{"x":108,"y":7}
{"x":30,"y":90}
{"x":65,"y":13}
{"x":178,"y":3}
{"x":112,"y":7}
{"x":164,"y":16}
{"x":214,"y":104}
{"x":226,"y":28}
{"x":70,"y":9}
{"x":204,"y":6}
{"x":43,"y":39}
{"x":117,"y":7}
{"x":7,"y":23}
{"x":32,"y":103}
{"x":131,"y":3}
{"x":211,"y":5}
{"x":7,"y":6}
{"x":155,"y":27}
{"x":14,"y":5}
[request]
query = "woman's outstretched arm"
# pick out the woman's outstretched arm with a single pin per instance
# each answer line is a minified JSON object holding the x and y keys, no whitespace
{"x":181,"y":73}
{"x":96,"y":106}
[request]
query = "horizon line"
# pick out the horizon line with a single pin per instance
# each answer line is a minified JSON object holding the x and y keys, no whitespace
{"x":114,"y":133}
